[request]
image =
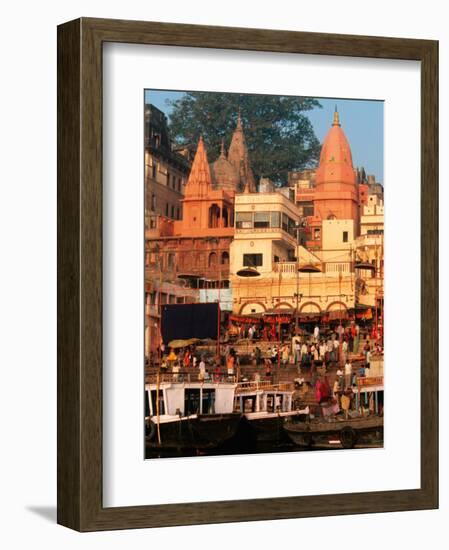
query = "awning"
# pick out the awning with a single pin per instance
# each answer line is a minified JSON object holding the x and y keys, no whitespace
{"x":309,"y":317}
{"x":334,"y":315}
{"x":366,"y":314}
{"x":279,"y":311}
{"x":251,"y":318}
{"x":278,"y":316}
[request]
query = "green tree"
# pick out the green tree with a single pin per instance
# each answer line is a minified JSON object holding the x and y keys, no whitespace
{"x":279,"y":136}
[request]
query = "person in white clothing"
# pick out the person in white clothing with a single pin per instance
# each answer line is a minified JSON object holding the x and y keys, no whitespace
{"x":202,"y":371}
{"x":344,"y":351}
{"x":348,"y":374}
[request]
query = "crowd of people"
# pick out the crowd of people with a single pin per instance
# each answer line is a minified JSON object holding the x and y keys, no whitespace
{"x":312,"y":353}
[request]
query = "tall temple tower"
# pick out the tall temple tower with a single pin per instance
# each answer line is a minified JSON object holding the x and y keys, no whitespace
{"x":336,"y":192}
{"x":238,"y":157}
{"x":204,"y":208}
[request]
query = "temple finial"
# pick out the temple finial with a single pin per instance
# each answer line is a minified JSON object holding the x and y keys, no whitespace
{"x":336,"y":121}
{"x":239,"y":119}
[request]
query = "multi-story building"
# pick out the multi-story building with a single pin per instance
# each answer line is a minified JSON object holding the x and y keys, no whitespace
{"x":266,"y":238}
{"x":310,"y":263}
{"x":166,"y":170}
{"x":187,"y":259}
{"x":370,"y":252}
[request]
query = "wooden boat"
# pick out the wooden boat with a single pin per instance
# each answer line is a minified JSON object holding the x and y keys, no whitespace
{"x":186,"y":417}
{"x":264,"y":407}
{"x":337,"y":432}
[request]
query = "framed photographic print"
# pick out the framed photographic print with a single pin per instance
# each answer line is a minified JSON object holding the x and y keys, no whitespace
{"x":247,"y":289}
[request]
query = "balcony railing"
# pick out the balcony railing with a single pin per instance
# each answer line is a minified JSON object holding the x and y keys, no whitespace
{"x":285,"y":267}
{"x":245,"y":230}
{"x":215,"y":272}
{"x":327,"y":268}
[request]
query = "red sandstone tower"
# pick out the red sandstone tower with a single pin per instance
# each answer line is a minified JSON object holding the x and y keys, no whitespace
{"x":336,"y":192}
{"x":205,"y":210}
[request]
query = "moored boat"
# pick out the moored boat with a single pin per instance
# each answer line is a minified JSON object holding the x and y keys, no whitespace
{"x":337,"y":432}
{"x":185,"y":416}
{"x":265,"y":406}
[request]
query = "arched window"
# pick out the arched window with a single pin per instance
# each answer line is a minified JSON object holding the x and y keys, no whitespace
{"x":225,"y":217}
{"x":214,"y":216}
{"x":225,"y":258}
{"x":212,"y":259}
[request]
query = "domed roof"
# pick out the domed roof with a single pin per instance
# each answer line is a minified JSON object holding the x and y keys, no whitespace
{"x":223,"y":173}
{"x":336,"y":158}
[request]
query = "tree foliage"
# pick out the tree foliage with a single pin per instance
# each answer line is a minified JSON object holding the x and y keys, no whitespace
{"x":279,"y":136}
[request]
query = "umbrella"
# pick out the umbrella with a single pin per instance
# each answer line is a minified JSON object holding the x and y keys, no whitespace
{"x":182,"y":343}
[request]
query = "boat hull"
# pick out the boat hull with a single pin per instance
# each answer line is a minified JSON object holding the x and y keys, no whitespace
{"x":191,"y":435}
{"x":339,"y":433}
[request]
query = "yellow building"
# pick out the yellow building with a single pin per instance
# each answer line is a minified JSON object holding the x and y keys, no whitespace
{"x":370,"y":252}
{"x":266,"y":239}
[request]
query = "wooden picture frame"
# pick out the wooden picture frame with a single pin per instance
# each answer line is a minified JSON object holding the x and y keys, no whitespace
{"x":80,"y":419}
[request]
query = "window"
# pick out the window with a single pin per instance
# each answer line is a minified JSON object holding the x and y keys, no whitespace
{"x":291,"y":227}
{"x":172,"y":211}
{"x":177,"y":213}
{"x":171,"y":259}
{"x":261,"y":219}
{"x":225,"y":258}
{"x":208,"y":401}
{"x":375,"y":232}
{"x":252,"y":260}
{"x":276,"y":259}
{"x":308,"y":211}
{"x":147,"y":404}
{"x":316,"y":233}
{"x":212,"y":259}
{"x":306,"y":208}
{"x":244,"y":220}
{"x":191,"y":401}
{"x":288,"y":225}
{"x":275,"y":219}
{"x":154,"y":168}
{"x":166,"y":209}
{"x":153,"y":202}
{"x":345,"y":236}
{"x":160,"y":398}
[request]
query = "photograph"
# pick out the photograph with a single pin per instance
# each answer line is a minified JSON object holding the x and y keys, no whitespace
{"x":264,"y":270}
